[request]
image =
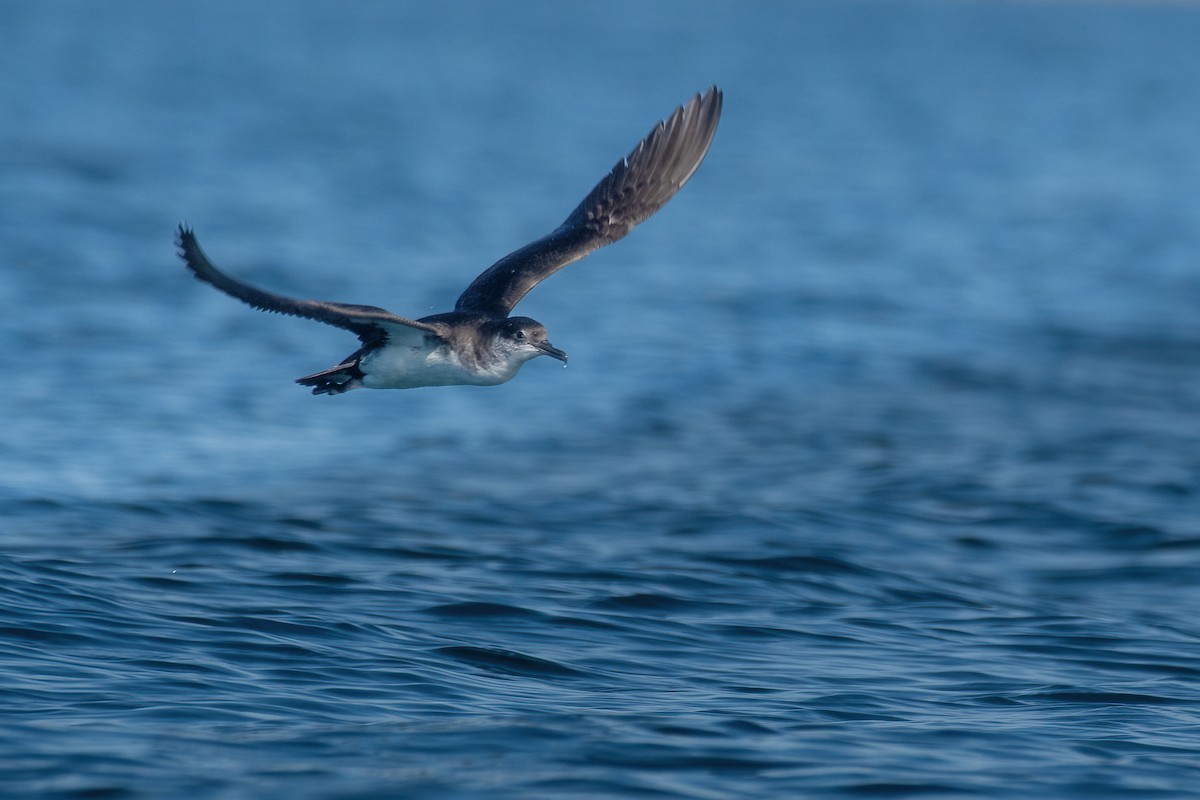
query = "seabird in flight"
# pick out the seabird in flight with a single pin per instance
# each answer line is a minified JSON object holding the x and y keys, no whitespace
{"x":478,"y":342}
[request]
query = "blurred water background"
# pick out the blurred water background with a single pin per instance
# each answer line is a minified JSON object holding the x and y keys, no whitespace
{"x":874,"y":473}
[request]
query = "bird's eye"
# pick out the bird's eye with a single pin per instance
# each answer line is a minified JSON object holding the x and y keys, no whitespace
{"x":520,"y":334}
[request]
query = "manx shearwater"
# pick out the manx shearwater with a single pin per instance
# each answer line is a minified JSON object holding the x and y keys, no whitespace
{"x":478,"y":342}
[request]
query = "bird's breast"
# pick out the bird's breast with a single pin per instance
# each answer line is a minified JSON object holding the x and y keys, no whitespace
{"x":400,"y":366}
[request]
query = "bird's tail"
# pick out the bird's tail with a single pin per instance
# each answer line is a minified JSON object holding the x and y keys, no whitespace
{"x":335,"y":380}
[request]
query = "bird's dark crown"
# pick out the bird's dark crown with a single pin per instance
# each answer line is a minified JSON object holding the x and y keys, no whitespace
{"x":520,"y":329}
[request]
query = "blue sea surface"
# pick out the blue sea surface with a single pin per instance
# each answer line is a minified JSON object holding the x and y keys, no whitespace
{"x":875,"y":472}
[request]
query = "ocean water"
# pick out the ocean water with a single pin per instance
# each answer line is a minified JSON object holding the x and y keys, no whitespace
{"x":874,"y":473}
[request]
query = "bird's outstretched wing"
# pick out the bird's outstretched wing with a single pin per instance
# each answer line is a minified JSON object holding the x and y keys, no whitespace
{"x":370,"y":323}
{"x":639,"y":185}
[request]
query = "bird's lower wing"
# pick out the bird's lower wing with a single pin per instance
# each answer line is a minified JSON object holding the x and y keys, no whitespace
{"x":639,"y":185}
{"x":371,"y":324}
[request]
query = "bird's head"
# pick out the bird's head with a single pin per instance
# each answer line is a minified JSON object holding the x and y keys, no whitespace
{"x":523,"y":338}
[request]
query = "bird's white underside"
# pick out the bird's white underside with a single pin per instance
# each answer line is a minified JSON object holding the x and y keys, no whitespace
{"x":432,"y":362}
{"x":406,"y":366}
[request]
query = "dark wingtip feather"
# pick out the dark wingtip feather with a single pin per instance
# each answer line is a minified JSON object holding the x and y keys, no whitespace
{"x":182,"y":235}
{"x":655,"y":170}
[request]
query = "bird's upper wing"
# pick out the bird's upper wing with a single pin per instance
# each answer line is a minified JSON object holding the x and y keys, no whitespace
{"x":370,"y":323}
{"x":639,"y":185}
